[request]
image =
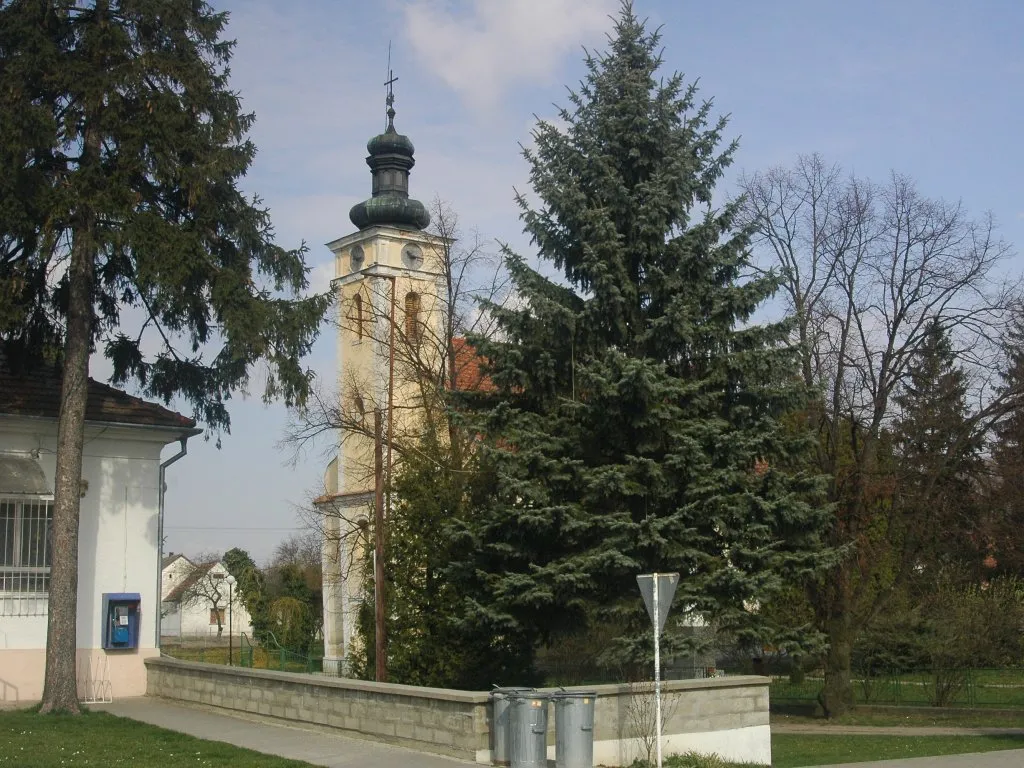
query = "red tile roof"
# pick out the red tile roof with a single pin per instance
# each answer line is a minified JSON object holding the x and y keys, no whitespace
{"x":37,"y":393}
{"x":469,"y":372}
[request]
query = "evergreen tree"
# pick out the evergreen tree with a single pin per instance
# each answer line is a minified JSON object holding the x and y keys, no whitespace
{"x":121,"y":147}
{"x":1007,"y":492}
{"x":638,"y":423}
{"x":937,"y":457}
{"x":429,"y":642}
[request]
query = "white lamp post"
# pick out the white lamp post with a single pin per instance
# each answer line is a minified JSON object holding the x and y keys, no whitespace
{"x":231,"y":640}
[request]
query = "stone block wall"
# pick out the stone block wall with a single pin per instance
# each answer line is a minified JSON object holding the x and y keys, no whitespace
{"x":429,"y":719}
{"x":727,"y":716}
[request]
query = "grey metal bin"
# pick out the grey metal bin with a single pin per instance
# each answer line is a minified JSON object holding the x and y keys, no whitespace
{"x":528,"y":729}
{"x":499,"y":723}
{"x":574,"y":729}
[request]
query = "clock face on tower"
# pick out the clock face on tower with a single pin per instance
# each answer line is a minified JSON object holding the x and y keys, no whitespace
{"x":356,"y":257}
{"x":412,"y":256}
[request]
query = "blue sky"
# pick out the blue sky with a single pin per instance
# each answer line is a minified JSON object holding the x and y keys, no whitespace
{"x":929,"y":88}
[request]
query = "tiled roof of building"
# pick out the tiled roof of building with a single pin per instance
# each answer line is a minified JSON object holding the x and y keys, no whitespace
{"x":37,"y":393}
{"x":171,"y":557}
{"x":469,"y":371}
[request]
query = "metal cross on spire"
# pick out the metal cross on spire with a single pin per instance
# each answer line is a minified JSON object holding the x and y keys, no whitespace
{"x":390,"y":100}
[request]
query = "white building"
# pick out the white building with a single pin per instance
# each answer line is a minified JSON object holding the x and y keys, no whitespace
{"x":119,"y":532}
{"x":198,"y":602}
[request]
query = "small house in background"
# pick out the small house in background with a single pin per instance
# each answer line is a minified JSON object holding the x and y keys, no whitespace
{"x":119,"y":532}
{"x":196,"y":601}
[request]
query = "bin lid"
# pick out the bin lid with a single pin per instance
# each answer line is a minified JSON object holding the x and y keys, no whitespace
{"x":528,"y":693}
{"x":510,"y":689}
{"x":574,"y":695}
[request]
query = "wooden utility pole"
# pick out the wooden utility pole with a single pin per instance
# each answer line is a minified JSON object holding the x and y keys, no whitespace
{"x":380,"y":651}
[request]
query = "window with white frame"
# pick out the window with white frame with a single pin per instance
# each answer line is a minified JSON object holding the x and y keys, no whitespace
{"x":25,"y":553}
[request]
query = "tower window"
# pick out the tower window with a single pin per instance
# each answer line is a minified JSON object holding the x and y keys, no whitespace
{"x":357,"y":315}
{"x":412,"y":317}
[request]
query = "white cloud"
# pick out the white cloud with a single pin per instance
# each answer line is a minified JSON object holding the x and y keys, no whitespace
{"x":320,"y":277}
{"x":485,"y":46}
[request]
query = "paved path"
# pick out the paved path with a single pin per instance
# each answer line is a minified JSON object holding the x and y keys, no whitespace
{"x":893,"y":730}
{"x":313,"y":746}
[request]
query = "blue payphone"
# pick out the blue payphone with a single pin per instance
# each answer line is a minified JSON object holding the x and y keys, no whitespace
{"x":121,"y":620}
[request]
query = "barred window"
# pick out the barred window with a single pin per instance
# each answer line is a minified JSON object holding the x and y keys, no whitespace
{"x":25,"y":553}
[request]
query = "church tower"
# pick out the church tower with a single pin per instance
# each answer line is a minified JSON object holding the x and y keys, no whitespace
{"x":388,"y":277}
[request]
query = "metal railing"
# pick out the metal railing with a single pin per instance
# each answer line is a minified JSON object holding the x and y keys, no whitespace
{"x":270,"y":654}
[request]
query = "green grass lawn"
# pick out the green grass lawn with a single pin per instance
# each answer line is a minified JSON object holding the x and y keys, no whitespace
{"x":797,"y":750}
{"x":30,"y":740}
{"x":793,"y":750}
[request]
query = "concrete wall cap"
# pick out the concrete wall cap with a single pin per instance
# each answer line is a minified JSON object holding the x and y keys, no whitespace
{"x":696,"y":684}
{"x":344,"y":683}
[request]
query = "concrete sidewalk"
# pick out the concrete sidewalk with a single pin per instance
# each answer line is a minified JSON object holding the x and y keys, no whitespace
{"x":321,"y":746}
{"x":1013,"y":758}
{"x":313,"y":745}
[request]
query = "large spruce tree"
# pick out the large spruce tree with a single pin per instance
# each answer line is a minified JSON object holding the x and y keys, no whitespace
{"x":121,"y":147}
{"x":1006,"y":500}
{"x":640,"y":418}
{"x":938,"y":468}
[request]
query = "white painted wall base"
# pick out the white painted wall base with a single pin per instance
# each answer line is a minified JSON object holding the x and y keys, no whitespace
{"x":752,"y":744}
{"x":22,"y":671}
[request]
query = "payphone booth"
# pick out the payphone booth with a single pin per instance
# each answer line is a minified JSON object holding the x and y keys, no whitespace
{"x":121,"y":620}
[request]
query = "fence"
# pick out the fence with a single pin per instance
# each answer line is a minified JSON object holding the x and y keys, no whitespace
{"x":728,"y":716}
{"x":270,"y":655}
{"x":244,"y":653}
{"x":982,"y":688}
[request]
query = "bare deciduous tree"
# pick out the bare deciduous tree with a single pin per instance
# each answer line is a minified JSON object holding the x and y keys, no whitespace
{"x":866,"y":270}
{"x":302,"y":550}
{"x":641,"y":716}
{"x":203,"y":586}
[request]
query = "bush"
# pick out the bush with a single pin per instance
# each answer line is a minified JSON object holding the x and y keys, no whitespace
{"x":951,"y":628}
{"x":696,"y":760}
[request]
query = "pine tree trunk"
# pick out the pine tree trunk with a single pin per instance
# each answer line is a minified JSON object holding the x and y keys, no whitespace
{"x":60,"y":687}
{"x":60,"y":690}
{"x":837,"y":696}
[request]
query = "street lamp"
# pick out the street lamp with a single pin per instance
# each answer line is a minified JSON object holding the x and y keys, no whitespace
{"x":231,"y":639}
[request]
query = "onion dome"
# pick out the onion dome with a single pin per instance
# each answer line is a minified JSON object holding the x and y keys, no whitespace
{"x":390,"y":160}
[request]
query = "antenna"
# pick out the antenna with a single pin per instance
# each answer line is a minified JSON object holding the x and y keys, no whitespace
{"x":390,"y":100}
